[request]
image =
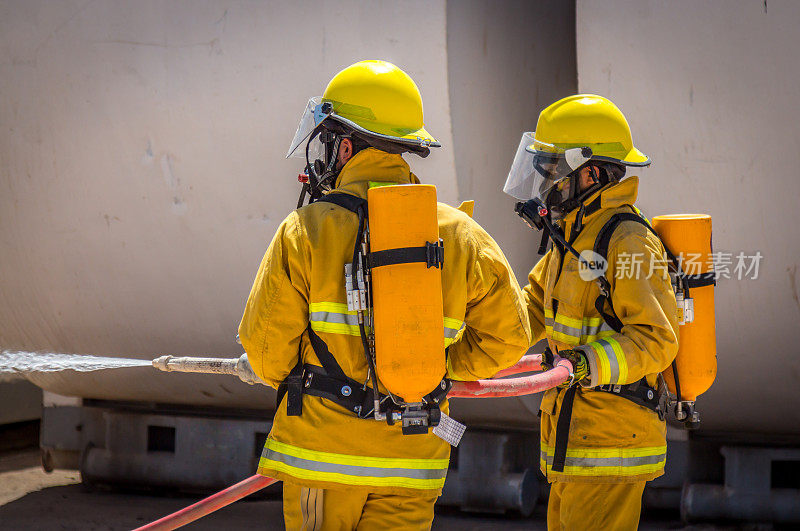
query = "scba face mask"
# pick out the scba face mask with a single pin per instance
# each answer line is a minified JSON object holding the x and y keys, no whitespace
{"x":561,"y":196}
{"x":546,"y":173}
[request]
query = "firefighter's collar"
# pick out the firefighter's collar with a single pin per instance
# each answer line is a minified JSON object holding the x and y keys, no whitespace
{"x":373,"y":165}
{"x":624,"y":192}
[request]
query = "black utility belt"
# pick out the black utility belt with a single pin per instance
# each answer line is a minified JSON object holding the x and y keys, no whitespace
{"x":639,"y":393}
{"x":351,"y":394}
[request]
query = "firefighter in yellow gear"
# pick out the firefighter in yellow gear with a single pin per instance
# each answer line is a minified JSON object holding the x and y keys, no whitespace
{"x":343,"y":470}
{"x":603,"y":435}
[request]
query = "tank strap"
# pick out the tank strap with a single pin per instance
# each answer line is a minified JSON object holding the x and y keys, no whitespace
{"x":431,"y":254}
{"x":702,"y":280}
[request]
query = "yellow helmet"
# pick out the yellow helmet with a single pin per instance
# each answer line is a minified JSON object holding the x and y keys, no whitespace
{"x":570,"y":133}
{"x":375,"y":98}
{"x":379,"y":98}
{"x":587,"y":120}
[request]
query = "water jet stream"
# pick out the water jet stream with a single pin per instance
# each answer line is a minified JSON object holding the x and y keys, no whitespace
{"x":16,"y":364}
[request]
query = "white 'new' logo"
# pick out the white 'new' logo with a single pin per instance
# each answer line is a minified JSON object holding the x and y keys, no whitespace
{"x":591,"y":266}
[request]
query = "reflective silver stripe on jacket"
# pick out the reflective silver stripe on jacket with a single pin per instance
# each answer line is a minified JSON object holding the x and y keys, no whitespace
{"x":608,"y":461}
{"x":351,"y":470}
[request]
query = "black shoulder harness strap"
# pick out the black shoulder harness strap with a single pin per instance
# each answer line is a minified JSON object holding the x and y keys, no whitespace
{"x":601,"y":247}
{"x":432,"y":254}
{"x":350,"y":202}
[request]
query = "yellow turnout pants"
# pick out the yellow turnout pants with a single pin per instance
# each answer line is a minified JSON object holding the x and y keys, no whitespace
{"x":344,"y":510}
{"x":612,"y":506}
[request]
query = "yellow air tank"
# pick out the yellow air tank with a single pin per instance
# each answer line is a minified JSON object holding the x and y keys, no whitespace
{"x":407,"y":297}
{"x":689,"y":236}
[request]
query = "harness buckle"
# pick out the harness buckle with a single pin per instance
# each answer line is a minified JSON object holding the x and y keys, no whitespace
{"x":605,"y":288}
{"x":434,"y":253}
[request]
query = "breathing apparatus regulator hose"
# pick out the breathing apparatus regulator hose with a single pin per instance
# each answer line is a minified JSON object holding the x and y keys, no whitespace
{"x":536,"y":213}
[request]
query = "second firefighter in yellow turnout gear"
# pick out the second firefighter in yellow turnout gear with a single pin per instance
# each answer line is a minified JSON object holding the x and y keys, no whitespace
{"x":602,"y":297}
{"x":611,"y":439}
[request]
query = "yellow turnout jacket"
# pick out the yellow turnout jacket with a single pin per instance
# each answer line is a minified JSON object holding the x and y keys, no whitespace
{"x":301,"y":281}
{"x":611,"y":439}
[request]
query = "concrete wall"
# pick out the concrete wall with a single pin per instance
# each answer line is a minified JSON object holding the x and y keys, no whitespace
{"x":506,"y":61}
{"x":711,"y":92}
{"x":143,"y":153}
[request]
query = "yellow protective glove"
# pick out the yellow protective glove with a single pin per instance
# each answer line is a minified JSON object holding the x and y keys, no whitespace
{"x":579,"y":363}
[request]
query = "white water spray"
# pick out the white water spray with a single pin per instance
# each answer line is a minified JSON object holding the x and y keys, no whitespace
{"x":16,"y":364}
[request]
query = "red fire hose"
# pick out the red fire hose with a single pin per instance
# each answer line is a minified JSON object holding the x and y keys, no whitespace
{"x":209,"y":505}
{"x":526,"y":385}
{"x":528,"y":363}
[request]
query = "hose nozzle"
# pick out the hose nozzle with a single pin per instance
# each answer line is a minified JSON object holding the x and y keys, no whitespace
{"x":162,"y":363}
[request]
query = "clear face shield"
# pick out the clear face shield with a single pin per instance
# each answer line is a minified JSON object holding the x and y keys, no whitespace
{"x":314,"y":114}
{"x":318,"y":146}
{"x":541,"y":170}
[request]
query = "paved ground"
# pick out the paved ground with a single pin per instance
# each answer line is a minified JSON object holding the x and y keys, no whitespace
{"x":32,"y":499}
